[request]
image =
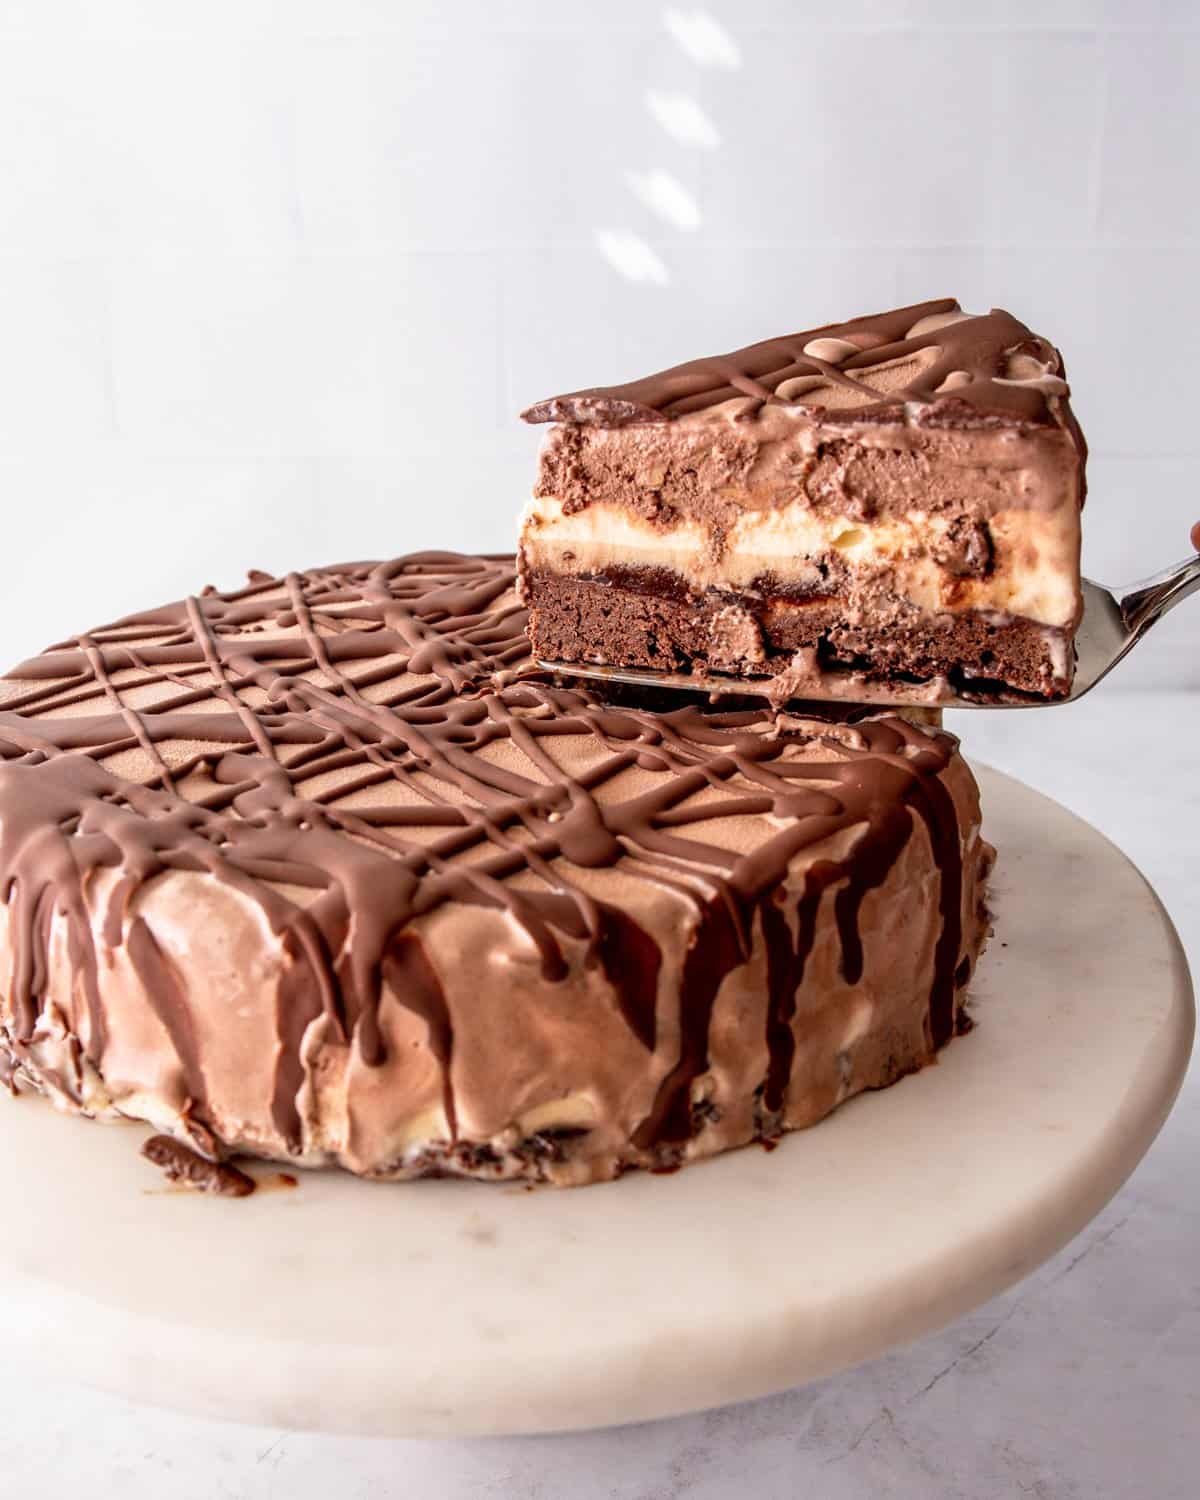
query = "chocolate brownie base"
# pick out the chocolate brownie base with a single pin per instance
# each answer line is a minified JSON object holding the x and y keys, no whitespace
{"x":650,"y":622}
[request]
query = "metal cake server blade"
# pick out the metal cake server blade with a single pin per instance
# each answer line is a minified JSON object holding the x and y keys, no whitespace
{"x":1114,"y":621}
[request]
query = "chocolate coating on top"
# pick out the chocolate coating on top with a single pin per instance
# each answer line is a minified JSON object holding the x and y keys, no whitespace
{"x":962,"y":368}
{"x":337,"y":747}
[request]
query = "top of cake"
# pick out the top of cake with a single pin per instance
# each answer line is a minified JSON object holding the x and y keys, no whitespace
{"x":932,"y":361}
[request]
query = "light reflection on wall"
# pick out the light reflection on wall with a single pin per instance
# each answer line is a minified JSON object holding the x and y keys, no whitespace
{"x":708,"y":44}
{"x":683,"y":119}
{"x":632,"y":256}
{"x":703,"y":38}
{"x":667,"y":197}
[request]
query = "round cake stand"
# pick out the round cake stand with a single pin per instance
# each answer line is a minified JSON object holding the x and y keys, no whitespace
{"x":446,"y":1308}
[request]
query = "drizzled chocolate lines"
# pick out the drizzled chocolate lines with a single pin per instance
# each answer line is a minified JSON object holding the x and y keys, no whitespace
{"x":244,"y":736}
{"x":992,"y":363}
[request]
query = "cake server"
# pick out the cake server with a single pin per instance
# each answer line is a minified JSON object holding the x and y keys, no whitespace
{"x":1114,"y":620}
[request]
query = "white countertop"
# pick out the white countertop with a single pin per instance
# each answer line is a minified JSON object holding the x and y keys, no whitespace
{"x":1083,"y":1381}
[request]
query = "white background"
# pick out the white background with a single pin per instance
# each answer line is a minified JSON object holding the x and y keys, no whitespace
{"x":276,"y":277}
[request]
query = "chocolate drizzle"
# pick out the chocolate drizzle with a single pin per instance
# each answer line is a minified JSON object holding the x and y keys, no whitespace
{"x":353,"y":748}
{"x":785,"y":973}
{"x":957,"y":367}
{"x":414,"y":982}
{"x":719,"y":946}
{"x":631,"y":960}
{"x":167,"y":997}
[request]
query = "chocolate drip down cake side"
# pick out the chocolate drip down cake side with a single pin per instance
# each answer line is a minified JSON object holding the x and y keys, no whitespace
{"x":326,"y":870}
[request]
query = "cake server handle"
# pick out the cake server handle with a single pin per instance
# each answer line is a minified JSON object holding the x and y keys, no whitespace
{"x":1144,"y":603}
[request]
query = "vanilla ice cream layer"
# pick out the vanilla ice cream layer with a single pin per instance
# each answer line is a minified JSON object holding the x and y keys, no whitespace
{"x":1033,"y":574}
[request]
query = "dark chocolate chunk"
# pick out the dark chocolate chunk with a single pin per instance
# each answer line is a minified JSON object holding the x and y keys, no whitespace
{"x":179,"y":1163}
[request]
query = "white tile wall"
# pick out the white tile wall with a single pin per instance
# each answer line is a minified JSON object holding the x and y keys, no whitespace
{"x":275,"y":275}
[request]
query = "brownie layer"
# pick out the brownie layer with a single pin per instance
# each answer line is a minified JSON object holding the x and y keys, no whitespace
{"x":643,"y":618}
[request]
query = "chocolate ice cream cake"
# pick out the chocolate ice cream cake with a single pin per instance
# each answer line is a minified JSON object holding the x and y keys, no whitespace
{"x":884,"y":507}
{"x":323,"y":871}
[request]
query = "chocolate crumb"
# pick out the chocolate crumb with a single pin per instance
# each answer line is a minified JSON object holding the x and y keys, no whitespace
{"x":967,"y":549}
{"x":179,"y":1163}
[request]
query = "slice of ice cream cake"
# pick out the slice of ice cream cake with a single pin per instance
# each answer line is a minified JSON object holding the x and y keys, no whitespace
{"x":888,"y":505}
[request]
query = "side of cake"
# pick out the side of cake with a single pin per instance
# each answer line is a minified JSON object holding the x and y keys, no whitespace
{"x":891,"y":503}
{"x":321,"y":871}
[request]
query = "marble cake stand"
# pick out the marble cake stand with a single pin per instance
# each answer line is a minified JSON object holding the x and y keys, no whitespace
{"x":458,"y":1308}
